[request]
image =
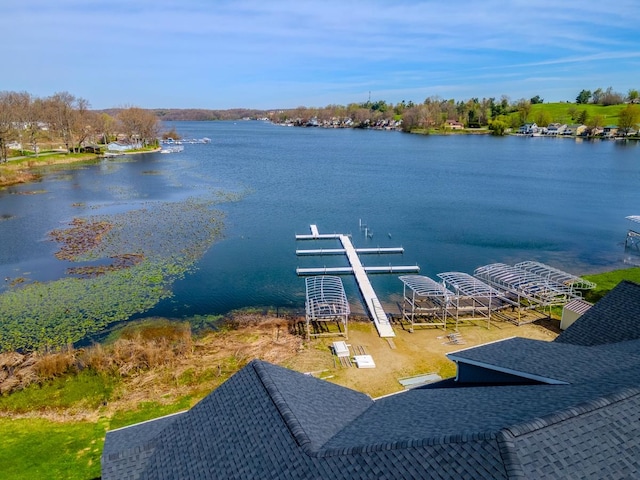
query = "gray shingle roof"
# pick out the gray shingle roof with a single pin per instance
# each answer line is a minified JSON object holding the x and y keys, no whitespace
{"x":267,"y":422}
{"x":615,"y":318}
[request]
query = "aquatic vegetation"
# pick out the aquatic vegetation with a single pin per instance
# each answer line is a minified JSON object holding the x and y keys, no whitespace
{"x":148,"y":248}
{"x":47,"y":315}
{"x":119,"y":262}
{"x":30,"y":192}
{"x":80,"y":238}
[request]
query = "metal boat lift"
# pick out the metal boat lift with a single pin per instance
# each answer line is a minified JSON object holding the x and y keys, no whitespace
{"x":527,"y":285}
{"x":473,"y":298}
{"x":426,"y":303}
{"x":326,"y":302}
{"x":633,"y":236}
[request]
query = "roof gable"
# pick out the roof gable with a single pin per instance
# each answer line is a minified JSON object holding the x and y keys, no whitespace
{"x":313,"y":410}
{"x":615,"y":318}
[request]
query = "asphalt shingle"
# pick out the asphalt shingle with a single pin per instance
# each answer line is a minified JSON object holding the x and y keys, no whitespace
{"x":267,"y":422}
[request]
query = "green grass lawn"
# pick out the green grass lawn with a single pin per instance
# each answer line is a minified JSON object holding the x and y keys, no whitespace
{"x":606,"y":281}
{"x":35,"y":448}
{"x":561,"y":112}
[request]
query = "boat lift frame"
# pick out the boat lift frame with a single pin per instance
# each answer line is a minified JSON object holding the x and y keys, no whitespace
{"x":372,"y":303}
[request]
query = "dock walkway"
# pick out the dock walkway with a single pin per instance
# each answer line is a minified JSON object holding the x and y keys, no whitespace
{"x":372,"y":303}
{"x":374,"y":306}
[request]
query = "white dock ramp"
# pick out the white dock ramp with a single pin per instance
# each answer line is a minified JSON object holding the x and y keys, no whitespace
{"x":374,"y":306}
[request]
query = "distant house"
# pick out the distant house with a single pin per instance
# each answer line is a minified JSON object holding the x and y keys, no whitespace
{"x":528,"y":129}
{"x":118,"y":147}
{"x":575,"y":130}
{"x":556,"y":128}
{"x":610,"y":131}
{"x":454,"y":125}
{"x":517,"y":409}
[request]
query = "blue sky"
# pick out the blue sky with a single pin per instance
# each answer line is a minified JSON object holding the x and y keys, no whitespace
{"x":282,"y":54}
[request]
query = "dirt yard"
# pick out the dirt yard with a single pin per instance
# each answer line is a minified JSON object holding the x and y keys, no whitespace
{"x":409,"y":354}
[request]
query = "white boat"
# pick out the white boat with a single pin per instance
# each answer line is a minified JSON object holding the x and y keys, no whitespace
{"x":172,"y":149}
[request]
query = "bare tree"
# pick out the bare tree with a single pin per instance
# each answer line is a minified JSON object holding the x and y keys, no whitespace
{"x":83,"y":121}
{"x":609,"y":97}
{"x":33,"y":123}
{"x":8,"y":121}
{"x":139,"y":126}
{"x":60,"y":114}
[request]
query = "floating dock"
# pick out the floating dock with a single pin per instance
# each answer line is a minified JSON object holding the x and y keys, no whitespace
{"x":372,"y":303}
{"x":342,"y":251}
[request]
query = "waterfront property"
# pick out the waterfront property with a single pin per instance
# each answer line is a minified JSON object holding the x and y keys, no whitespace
{"x":374,"y":307}
{"x":452,"y":202}
{"x":517,"y":409}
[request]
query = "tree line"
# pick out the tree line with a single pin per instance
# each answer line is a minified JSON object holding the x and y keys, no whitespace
{"x":31,"y":121}
{"x":436,"y":113}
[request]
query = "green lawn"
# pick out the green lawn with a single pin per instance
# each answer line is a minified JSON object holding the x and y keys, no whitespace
{"x":35,"y":448}
{"x":606,"y":281}
{"x":560,"y":112}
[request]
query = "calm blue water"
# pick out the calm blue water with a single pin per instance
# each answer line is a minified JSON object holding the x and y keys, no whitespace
{"x":454,"y":203}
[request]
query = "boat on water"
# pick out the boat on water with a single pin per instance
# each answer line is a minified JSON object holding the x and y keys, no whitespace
{"x":172,"y":149}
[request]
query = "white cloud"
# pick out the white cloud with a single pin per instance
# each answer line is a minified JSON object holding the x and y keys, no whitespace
{"x":399,"y":46}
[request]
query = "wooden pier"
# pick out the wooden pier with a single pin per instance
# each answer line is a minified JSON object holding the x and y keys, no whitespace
{"x":372,"y":303}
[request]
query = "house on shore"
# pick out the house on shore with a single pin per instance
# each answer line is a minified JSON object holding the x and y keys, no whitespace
{"x":556,"y":128}
{"x":454,"y":125}
{"x":610,"y":131}
{"x":517,"y":409}
{"x":529,"y":129}
{"x":119,"y":147}
{"x":575,"y":130}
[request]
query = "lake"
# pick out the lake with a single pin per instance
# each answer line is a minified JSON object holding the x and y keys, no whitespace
{"x":453,"y":202}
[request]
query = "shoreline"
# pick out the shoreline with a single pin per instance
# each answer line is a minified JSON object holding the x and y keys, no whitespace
{"x":18,"y":170}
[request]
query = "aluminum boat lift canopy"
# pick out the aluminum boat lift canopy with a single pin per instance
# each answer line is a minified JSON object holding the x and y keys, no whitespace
{"x":359,"y":271}
{"x":473,"y":297}
{"x":326,"y":301}
{"x":530,"y":289}
{"x":425,"y":301}
{"x":633,"y":235}
{"x":558,"y":276}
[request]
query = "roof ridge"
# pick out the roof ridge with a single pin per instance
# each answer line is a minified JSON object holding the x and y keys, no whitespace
{"x":290,"y":420}
{"x":404,"y":444}
{"x":570,"y":412}
{"x":304,"y":441}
